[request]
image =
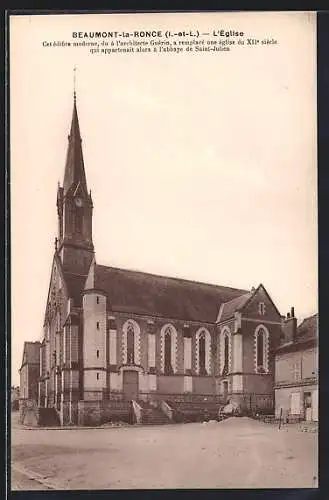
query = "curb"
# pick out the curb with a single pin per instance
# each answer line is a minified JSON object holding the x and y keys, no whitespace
{"x":35,"y":477}
{"x":66,"y":428}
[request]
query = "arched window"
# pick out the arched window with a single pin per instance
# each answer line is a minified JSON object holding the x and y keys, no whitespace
{"x":167,"y":352}
{"x":168,"y":345}
{"x":202,"y":354}
{"x":261,"y":349}
{"x":130,"y":341}
{"x":226,"y":355}
{"x":130,"y":344}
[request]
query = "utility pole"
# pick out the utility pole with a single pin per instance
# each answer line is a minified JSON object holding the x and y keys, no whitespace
{"x":280,"y":419}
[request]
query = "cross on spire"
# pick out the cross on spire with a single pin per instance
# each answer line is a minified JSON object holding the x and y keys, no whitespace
{"x":74,"y":83}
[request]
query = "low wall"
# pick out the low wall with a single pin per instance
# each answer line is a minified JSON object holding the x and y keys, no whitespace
{"x":94,"y":413}
{"x":182,"y":397}
{"x":263,"y":403}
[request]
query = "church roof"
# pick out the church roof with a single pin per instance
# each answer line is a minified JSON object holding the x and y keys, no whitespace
{"x":143,"y":293}
{"x":229,"y":308}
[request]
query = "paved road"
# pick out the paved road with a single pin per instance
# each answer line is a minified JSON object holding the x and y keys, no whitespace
{"x":236,"y":453}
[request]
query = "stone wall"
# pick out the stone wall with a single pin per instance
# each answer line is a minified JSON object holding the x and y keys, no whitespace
{"x":94,"y":413}
{"x":295,"y":366}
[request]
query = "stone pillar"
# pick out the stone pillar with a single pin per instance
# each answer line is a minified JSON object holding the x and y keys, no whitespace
{"x":152,"y":382}
{"x":188,"y":383}
{"x":237,"y":377}
{"x":237,"y":353}
{"x":113,"y":347}
{"x":187,"y":354}
{"x":151,"y":350}
{"x":46,"y":393}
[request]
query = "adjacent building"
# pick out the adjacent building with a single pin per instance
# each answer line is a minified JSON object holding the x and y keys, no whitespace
{"x":15,"y":394}
{"x":296,"y":370}
{"x":29,"y":371}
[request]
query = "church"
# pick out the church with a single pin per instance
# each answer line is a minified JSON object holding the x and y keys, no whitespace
{"x":116,"y":338}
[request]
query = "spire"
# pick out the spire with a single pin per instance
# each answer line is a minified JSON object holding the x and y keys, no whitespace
{"x":74,"y":167}
{"x":74,"y":84}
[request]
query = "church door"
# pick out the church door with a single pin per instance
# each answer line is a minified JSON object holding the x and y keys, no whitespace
{"x":130,"y":385}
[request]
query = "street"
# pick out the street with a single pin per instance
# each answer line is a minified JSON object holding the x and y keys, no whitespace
{"x":235,"y":453}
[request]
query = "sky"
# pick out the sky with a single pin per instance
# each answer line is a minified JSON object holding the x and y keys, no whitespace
{"x":201,"y":165}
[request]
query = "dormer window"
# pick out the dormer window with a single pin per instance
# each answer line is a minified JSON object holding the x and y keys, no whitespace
{"x":261,"y":309}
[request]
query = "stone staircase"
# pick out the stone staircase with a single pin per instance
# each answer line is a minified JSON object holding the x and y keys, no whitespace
{"x":151,"y":415}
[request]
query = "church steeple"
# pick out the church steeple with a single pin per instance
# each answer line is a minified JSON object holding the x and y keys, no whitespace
{"x":75,"y":207}
{"x":74,"y":167}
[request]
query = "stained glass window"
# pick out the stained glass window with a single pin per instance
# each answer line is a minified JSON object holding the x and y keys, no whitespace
{"x":202,"y":354}
{"x":226,"y":354}
{"x":130,"y":344}
{"x":167,"y":352}
{"x":260,"y":350}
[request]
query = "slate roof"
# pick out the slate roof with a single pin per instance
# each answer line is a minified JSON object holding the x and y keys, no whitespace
{"x":74,"y":166}
{"x":306,"y":336}
{"x":229,"y":308}
{"x":143,"y":293}
{"x":307,"y":330}
{"x":32,"y":351}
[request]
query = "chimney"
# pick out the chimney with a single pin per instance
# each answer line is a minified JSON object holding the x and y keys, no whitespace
{"x":289,"y":327}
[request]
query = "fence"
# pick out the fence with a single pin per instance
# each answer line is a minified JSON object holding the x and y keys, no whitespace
{"x":258,"y":403}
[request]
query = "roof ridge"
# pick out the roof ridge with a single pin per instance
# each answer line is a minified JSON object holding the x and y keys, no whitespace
{"x":309,"y":317}
{"x":236,"y":298}
{"x":173,"y":278}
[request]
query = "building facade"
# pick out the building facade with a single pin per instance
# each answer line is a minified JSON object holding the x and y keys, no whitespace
{"x":296,"y":370}
{"x":29,"y":371}
{"x":114,"y":334}
{"x":15,"y":395}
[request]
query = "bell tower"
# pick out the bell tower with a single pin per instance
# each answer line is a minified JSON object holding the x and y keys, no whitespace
{"x":75,"y":207}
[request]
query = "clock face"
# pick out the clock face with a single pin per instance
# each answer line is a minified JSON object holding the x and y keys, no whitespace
{"x":78,"y":202}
